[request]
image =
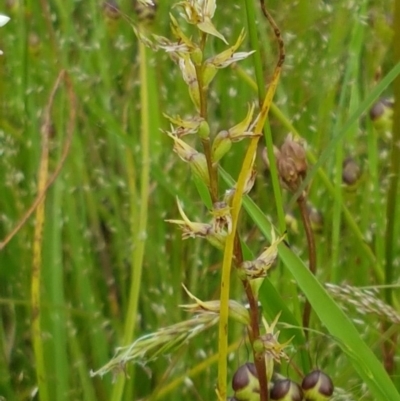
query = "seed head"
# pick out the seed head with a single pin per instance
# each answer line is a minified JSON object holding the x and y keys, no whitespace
{"x":292,"y":164}
{"x":245,"y":382}
{"x":351,"y":172}
{"x":286,"y":390}
{"x":317,"y":386}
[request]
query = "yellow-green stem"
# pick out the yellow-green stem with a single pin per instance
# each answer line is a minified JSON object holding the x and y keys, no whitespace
{"x":38,"y":347}
{"x":138,"y":228}
{"x":229,"y":246}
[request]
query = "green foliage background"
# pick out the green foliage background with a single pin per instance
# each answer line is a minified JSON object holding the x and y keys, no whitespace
{"x":92,"y":211}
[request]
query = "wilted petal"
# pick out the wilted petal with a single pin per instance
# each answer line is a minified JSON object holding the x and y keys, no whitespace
{"x":227,"y":54}
{"x":236,"y":311}
{"x":190,"y":229}
{"x":184,"y":127}
{"x":235,"y":58}
{"x":190,"y":77}
{"x":177,"y":31}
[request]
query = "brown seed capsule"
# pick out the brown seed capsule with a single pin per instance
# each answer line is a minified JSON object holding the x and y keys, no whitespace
{"x":245,"y":382}
{"x":317,"y":386}
{"x":381,"y":115}
{"x":286,"y":390}
{"x":351,"y":172}
{"x":379,"y":108}
{"x":292,"y":164}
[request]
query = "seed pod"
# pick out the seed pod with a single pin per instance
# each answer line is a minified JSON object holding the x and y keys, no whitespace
{"x":351,"y":173}
{"x":292,"y":164}
{"x":286,"y":390}
{"x":204,"y":130}
{"x":317,"y":386}
{"x":381,"y":114}
{"x":245,"y":382}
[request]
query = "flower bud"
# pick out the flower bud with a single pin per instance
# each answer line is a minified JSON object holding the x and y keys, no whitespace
{"x":245,"y":382}
{"x":209,"y":73}
{"x":317,"y":386}
{"x":197,"y":56}
{"x":198,"y":164}
{"x":190,"y":77}
{"x":204,"y":130}
{"x":286,"y":390}
{"x":221,"y":145}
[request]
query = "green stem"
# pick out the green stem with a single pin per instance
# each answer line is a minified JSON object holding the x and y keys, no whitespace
{"x":138,"y":228}
{"x":390,"y":235}
{"x":302,"y":202}
{"x":212,"y":170}
{"x":394,"y":168}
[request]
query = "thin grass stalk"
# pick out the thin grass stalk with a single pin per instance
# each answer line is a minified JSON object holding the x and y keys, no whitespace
{"x":53,"y":280}
{"x":138,"y":227}
{"x":229,"y":246}
{"x":78,"y":356}
{"x":39,"y":206}
{"x":36,"y":280}
{"x":390,"y":235}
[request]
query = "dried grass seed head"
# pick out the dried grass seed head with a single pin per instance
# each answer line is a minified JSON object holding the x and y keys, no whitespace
{"x":292,"y":164}
{"x":286,"y":390}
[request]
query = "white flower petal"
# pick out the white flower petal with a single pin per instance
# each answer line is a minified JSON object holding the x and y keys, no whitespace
{"x":4,"y":19}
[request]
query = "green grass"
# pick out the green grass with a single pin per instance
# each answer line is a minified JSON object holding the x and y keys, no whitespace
{"x":111,"y":269}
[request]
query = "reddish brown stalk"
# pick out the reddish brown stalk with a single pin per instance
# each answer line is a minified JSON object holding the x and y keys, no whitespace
{"x":254,"y":329}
